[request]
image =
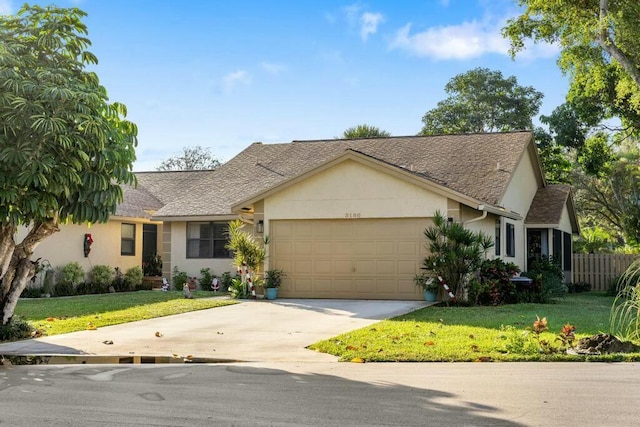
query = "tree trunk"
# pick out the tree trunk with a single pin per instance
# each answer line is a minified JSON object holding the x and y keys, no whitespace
{"x":15,"y":261}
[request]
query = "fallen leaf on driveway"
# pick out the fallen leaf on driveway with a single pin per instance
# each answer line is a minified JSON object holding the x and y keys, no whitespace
{"x":158,"y":334}
{"x":107,"y":342}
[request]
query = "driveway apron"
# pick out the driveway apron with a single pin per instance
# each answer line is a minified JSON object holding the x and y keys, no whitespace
{"x":249,"y":331}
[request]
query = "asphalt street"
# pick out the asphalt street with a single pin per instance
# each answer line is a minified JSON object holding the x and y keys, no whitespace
{"x":321,"y":393}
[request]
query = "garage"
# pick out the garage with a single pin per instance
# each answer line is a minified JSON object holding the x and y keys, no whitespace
{"x":356,"y":258}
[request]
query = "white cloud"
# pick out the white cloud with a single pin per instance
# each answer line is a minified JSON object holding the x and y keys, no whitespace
{"x":369,"y":24}
{"x":231,"y":80}
{"x":463,"y":41}
{"x":366,"y":22}
{"x":273,"y":68}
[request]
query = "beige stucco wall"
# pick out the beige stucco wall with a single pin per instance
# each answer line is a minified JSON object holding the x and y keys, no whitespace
{"x":352,"y":190}
{"x":67,"y":245}
{"x":565,"y":221}
{"x":522,"y":187}
{"x":192,"y":266}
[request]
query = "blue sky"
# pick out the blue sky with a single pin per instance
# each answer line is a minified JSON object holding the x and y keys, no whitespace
{"x":224,"y":74}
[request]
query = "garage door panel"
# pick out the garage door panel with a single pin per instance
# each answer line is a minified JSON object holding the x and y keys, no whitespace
{"x":408,"y":249}
{"x":284,"y":250}
{"x":342,"y":248}
{"x":406,"y":286}
{"x":322,"y":248}
{"x":343,"y":267}
{"x":365,"y":267}
{"x":408,"y":266}
{"x":303,"y":267}
{"x":363,"y":249}
{"x":322,"y":267}
{"x":359,"y":258}
{"x":385,"y":267}
{"x":303,"y":248}
{"x":323,"y":285}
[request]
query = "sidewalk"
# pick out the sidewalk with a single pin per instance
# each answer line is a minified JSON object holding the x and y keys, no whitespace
{"x":248,"y":331}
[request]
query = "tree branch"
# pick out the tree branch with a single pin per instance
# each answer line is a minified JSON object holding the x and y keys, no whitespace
{"x":606,"y":42}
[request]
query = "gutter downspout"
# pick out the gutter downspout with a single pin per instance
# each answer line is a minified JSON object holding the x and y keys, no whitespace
{"x":480,"y":218}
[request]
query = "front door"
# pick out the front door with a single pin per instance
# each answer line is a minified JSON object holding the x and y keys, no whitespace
{"x":149,"y":241}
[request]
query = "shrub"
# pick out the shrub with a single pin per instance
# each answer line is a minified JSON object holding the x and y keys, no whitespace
{"x":225,"y":281}
{"x":548,"y":280}
{"x":16,"y":329}
{"x":71,"y":274}
{"x":101,"y":276}
{"x":206,"y":278}
{"x":90,"y":288}
{"x":31,"y":293}
{"x":63,"y":289}
{"x":179,"y":278}
{"x":237,"y":288}
{"x":119,"y":284}
{"x":578,"y":287}
{"x":496,"y":286}
{"x":133,"y":277}
{"x":142,"y":286}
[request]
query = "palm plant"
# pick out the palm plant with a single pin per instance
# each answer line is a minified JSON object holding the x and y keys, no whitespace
{"x":455,"y":252}
{"x":625,"y":311}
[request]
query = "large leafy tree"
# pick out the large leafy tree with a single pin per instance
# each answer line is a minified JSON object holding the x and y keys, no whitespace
{"x":191,"y":158}
{"x":364,"y":131}
{"x":64,"y":148}
{"x":482,"y":100}
{"x":600,"y":49}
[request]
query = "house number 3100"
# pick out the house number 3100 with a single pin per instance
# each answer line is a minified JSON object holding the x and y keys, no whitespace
{"x":352,"y":215}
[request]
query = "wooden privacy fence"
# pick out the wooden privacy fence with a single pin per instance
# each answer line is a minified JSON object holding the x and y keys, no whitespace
{"x":600,"y":269}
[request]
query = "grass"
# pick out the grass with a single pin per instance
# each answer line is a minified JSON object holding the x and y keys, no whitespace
{"x":465,"y":334}
{"x":52,"y":316}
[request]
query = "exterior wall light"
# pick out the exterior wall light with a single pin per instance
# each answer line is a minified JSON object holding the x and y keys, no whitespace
{"x":260,"y":227}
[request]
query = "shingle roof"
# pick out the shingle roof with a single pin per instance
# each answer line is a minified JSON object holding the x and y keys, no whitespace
{"x":548,"y":204}
{"x":138,"y":202}
{"x":476,"y":165}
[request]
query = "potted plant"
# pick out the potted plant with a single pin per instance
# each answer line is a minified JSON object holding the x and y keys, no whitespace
{"x":428,"y":284}
{"x":272,"y":281}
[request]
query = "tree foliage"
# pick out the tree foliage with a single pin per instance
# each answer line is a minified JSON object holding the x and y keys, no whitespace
{"x":64,"y":148}
{"x":482,"y":100}
{"x":191,"y":158}
{"x":600,"y":49}
{"x":364,"y":131}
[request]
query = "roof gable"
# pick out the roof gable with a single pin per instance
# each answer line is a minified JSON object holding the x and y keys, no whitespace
{"x":355,"y":156}
{"x":549,"y":203}
{"x":464,"y":164}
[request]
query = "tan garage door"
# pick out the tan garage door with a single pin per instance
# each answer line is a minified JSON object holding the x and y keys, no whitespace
{"x":351,"y":258}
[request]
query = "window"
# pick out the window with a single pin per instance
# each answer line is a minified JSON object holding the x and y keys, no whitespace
{"x":557,"y":244}
{"x":207,"y":240}
{"x":127,"y":239}
{"x":497,"y":242}
{"x":511,"y":240}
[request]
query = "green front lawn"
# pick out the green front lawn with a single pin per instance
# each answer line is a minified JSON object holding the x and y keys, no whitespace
{"x":54,"y":316}
{"x":464,"y":334}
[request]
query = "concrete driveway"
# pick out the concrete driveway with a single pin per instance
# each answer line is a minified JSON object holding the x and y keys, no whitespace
{"x":249,"y":331}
